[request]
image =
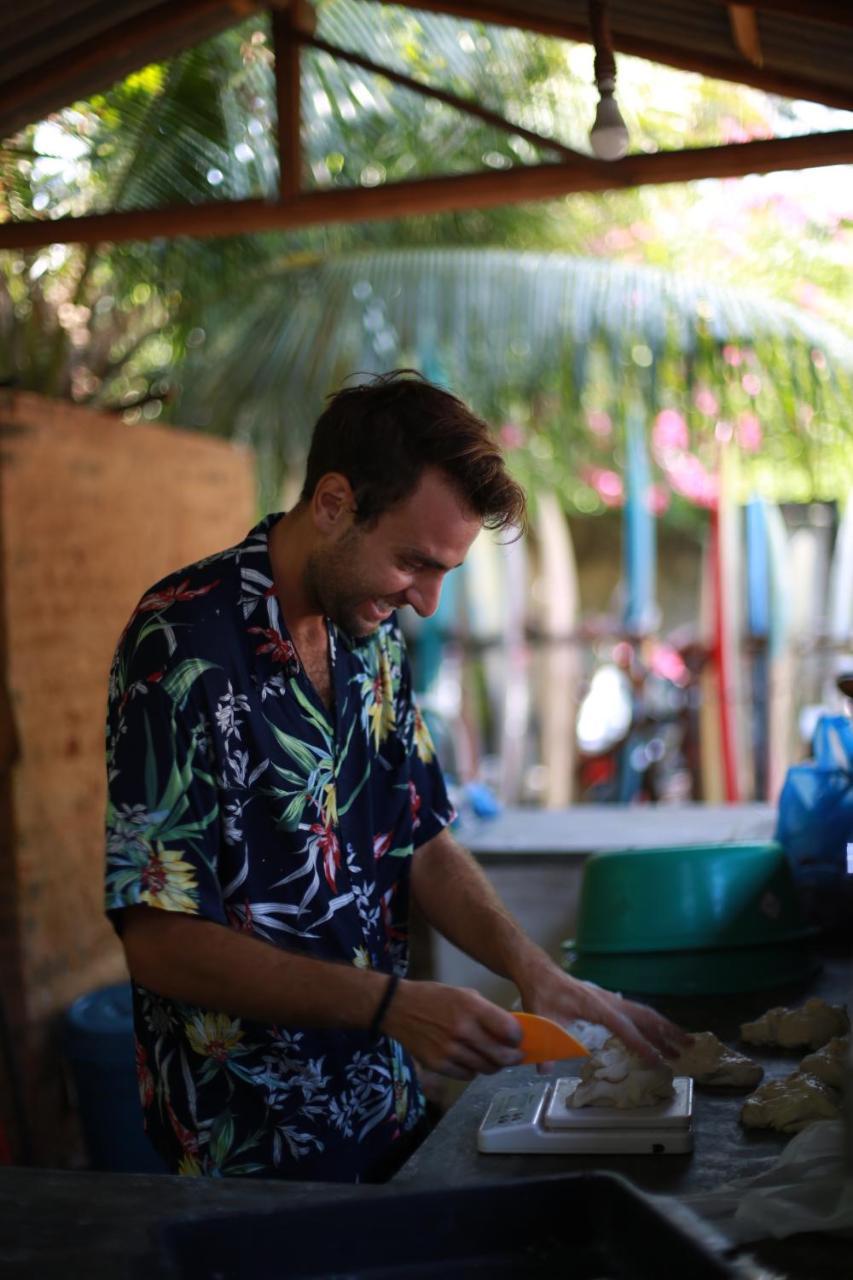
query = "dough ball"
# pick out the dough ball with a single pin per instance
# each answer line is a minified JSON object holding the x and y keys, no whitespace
{"x":790,"y":1104}
{"x":714,"y":1064}
{"x":812,"y":1024}
{"x":613,"y":1077}
{"x":829,"y":1062}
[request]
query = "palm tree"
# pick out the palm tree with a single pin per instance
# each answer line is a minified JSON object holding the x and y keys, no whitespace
{"x":223,"y":334}
{"x":548,"y":341}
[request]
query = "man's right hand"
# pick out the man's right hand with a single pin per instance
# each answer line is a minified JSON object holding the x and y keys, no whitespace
{"x":453,"y":1030}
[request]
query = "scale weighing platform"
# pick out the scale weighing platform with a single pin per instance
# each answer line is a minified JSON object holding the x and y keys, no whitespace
{"x":536,"y":1119}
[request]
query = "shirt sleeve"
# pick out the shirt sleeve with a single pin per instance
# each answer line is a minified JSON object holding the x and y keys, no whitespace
{"x":162,"y":824}
{"x":430,"y":803}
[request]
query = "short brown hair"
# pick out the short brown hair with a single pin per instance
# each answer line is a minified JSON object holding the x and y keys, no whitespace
{"x":382,"y":435}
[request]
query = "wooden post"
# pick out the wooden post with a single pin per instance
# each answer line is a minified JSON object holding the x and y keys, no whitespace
{"x":286,"y":24}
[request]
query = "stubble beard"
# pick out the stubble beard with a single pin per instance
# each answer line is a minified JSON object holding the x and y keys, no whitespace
{"x":329,"y":582}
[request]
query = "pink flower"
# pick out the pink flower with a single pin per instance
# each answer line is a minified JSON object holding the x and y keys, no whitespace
{"x":657,"y":499}
{"x":326,"y":842}
{"x":163,"y":599}
{"x":751,"y":384}
{"x":706,"y":402}
{"x":618,"y":238}
{"x":599,"y":422}
{"x":381,"y":845}
{"x":790,"y":212}
{"x":808,"y":295}
{"x":414,"y":805}
{"x":512,"y":435}
{"x":669,"y":430}
{"x":749,"y":433}
{"x":732,"y":130}
{"x":280,"y":649}
{"x":688,"y":476}
{"x":732,"y":355}
{"x":144,"y":1078}
{"x":669,"y":664}
{"x":607,"y":484}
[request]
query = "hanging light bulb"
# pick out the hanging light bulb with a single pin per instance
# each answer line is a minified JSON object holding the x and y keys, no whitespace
{"x":609,"y":135}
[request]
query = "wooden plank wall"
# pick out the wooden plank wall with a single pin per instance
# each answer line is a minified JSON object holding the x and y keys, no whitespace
{"x":92,"y":511}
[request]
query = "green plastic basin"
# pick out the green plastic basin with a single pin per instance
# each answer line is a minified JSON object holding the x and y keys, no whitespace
{"x":692,"y":919}
{"x":691,"y":897}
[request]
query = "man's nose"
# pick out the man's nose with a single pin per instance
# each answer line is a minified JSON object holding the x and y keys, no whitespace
{"x":424,"y":596}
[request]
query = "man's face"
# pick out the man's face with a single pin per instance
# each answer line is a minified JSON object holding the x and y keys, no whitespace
{"x":362,"y":575}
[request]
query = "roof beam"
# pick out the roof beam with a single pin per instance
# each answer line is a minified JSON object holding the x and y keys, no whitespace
{"x":449,"y":99}
{"x":707,"y":64}
{"x":835,"y":12}
{"x":102,"y":60}
{"x":435,"y":195}
{"x":743,"y":22}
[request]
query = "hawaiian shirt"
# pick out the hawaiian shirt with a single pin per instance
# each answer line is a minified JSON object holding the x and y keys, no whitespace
{"x":235,"y":795}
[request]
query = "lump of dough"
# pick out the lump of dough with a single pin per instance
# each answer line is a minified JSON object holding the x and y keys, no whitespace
{"x":613,"y":1077}
{"x":710,"y":1062}
{"x":790,"y":1104}
{"x":812,"y":1024}
{"x":828,"y":1063}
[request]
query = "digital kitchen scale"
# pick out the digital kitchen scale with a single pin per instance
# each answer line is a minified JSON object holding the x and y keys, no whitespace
{"x":536,"y":1119}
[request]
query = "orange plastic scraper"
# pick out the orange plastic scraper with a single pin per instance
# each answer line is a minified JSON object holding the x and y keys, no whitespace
{"x":546,"y":1041}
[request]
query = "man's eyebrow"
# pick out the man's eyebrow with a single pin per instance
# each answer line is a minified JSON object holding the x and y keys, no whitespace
{"x":409,"y":553}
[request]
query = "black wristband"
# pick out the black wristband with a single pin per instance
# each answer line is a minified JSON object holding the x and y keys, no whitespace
{"x":387,"y":996}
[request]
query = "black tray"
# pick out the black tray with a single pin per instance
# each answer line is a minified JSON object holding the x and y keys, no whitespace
{"x":571,"y":1227}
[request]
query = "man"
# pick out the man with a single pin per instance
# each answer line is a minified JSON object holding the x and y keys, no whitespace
{"x":274,"y":792}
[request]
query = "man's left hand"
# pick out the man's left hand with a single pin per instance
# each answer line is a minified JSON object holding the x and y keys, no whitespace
{"x":549,"y":991}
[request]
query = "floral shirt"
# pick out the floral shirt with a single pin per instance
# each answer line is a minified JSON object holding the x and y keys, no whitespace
{"x":236,"y":796}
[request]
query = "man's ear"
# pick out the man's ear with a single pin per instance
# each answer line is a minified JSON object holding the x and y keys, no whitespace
{"x":332,"y":503}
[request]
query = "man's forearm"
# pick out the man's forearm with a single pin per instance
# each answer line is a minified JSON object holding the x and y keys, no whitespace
{"x":458,"y":900}
{"x":206,"y":964}
{"x":202,"y":963}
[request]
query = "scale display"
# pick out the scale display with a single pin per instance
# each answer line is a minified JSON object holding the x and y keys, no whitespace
{"x":537,"y":1119}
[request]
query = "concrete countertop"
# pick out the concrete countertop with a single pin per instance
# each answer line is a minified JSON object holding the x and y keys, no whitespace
{"x":597,"y":828}
{"x":58,"y":1225}
{"x":723,"y":1149}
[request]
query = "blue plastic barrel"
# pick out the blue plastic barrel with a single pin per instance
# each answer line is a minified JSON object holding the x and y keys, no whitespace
{"x":98,"y":1044}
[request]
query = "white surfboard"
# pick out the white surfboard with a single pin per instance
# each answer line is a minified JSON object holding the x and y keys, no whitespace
{"x":840,"y":610}
{"x":558,"y":667}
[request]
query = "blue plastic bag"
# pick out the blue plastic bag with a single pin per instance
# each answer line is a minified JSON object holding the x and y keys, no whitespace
{"x":815,"y":824}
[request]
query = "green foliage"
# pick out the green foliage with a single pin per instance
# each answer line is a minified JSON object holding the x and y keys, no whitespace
{"x":244,"y":336}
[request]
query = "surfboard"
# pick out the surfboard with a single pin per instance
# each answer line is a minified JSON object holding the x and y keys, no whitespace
{"x":515,"y":703}
{"x":840,"y":611}
{"x":758,"y":625}
{"x":639,"y":614}
{"x":710,"y":749}
{"x":734,"y":710}
{"x":781,"y":738}
{"x":437,"y":643}
{"x":558,"y":665}
{"x":483,"y":590}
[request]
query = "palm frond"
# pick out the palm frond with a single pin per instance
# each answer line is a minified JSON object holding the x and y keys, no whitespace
{"x":541,"y":335}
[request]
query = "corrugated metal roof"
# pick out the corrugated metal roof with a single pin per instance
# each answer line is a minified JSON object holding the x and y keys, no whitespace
{"x":807,"y":47}
{"x":52,"y":54}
